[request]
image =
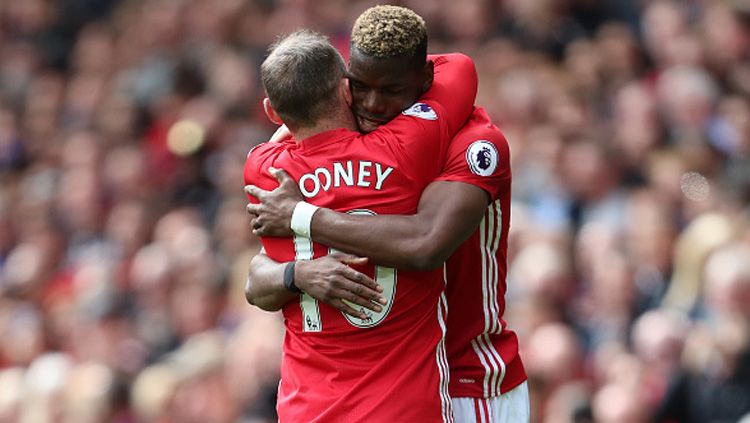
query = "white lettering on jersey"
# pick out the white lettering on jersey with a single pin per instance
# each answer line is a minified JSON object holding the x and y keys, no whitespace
{"x":381,"y":175}
{"x":340,"y":173}
{"x":303,"y":185}
{"x":364,"y":172}
{"x":348,"y":173}
{"x":320,"y":173}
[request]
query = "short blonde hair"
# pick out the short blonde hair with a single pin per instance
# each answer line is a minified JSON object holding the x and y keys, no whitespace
{"x":388,"y":31}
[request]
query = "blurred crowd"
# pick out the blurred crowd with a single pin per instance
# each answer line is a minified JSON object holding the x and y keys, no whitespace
{"x":124,"y":242}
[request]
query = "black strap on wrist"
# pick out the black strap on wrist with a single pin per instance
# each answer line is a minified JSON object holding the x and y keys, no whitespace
{"x":289,"y":278}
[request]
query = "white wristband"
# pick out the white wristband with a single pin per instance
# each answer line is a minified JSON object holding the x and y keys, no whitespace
{"x":302,"y":218}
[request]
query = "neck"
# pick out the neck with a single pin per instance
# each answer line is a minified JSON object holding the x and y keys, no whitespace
{"x":344,"y":120}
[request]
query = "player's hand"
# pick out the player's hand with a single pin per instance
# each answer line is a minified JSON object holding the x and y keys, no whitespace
{"x":273,"y":215}
{"x":282,"y":133}
{"x":330,"y":279}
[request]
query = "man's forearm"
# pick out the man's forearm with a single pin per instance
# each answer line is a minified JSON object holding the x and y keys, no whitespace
{"x":448,"y":213}
{"x":265,"y":284}
{"x":329,"y":279}
{"x":372,"y":237}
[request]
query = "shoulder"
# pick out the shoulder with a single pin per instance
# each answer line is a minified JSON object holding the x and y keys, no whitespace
{"x":482,"y":145}
{"x":266,"y":149}
{"x":260,"y":157}
{"x":479,"y":124}
{"x":425,"y":110}
{"x":455,"y":58}
{"x":421,"y":119}
{"x":493,"y":138}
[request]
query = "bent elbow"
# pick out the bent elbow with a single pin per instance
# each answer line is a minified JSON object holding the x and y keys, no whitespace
{"x":249,"y":297}
{"x":427,"y":258}
{"x":421,"y":251}
{"x":267,"y":306}
{"x":262,"y":301}
{"x":469,"y":67}
{"x":426,"y":263}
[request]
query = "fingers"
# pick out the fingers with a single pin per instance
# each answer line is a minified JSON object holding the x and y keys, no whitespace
{"x":287,"y":187}
{"x":282,"y":133}
{"x":256,"y":192}
{"x":348,"y":259}
{"x":359,"y":279}
{"x":280,"y":175}
{"x":259,"y":228}
{"x":256,"y":222}
{"x":368,"y":289}
{"x":328,"y":280}
{"x":336,"y":285}
{"x":253,"y":209}
{"x":345,"y":308}
{"x":357,"y":299}
{"x":354,"y":261}
{"x":356,"y":276}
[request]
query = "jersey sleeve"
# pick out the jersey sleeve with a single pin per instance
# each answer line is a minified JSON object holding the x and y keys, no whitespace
{"x":479,"y":156}
{"x":454,"y":87}
{"x":254,"y":163}
{"x":259,"y":159}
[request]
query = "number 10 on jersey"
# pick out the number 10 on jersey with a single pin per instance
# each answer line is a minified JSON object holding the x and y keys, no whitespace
{"x":384,"y":276}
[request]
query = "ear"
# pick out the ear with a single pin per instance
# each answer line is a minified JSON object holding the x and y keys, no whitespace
{"x":346,"y":91}
{"x":271,"y":113}
{"x":429,"y":75}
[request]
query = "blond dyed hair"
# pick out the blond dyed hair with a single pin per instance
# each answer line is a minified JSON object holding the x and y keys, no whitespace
{"x":389,"y":31}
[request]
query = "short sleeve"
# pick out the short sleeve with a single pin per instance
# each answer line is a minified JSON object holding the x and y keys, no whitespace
{"x":479,"y":156}
{"x":259,"y":159}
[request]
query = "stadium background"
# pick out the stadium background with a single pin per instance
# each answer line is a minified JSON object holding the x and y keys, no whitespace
{"x":124,"y":242}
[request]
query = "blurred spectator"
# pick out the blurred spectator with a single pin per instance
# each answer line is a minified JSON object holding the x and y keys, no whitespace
{"x":124,"y":243}
{"x":714,"y":384}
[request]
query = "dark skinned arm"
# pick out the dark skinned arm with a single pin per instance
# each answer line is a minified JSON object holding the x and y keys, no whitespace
{"x":447,"y":214}
{"x":328,"y":279}
{"x":265,"y":287}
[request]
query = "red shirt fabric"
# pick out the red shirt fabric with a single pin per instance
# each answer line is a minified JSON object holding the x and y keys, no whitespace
{"x":393,"y":366}
{"x":482,"y":351}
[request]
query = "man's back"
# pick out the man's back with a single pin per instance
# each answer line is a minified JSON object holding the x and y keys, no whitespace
{"x":391,"y":366}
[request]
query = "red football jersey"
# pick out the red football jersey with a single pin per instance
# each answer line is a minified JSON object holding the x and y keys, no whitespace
{"x":482,"y":351}
{"x":391,"y":366}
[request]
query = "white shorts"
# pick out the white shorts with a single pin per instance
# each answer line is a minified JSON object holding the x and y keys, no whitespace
{"x":510,"y":407}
